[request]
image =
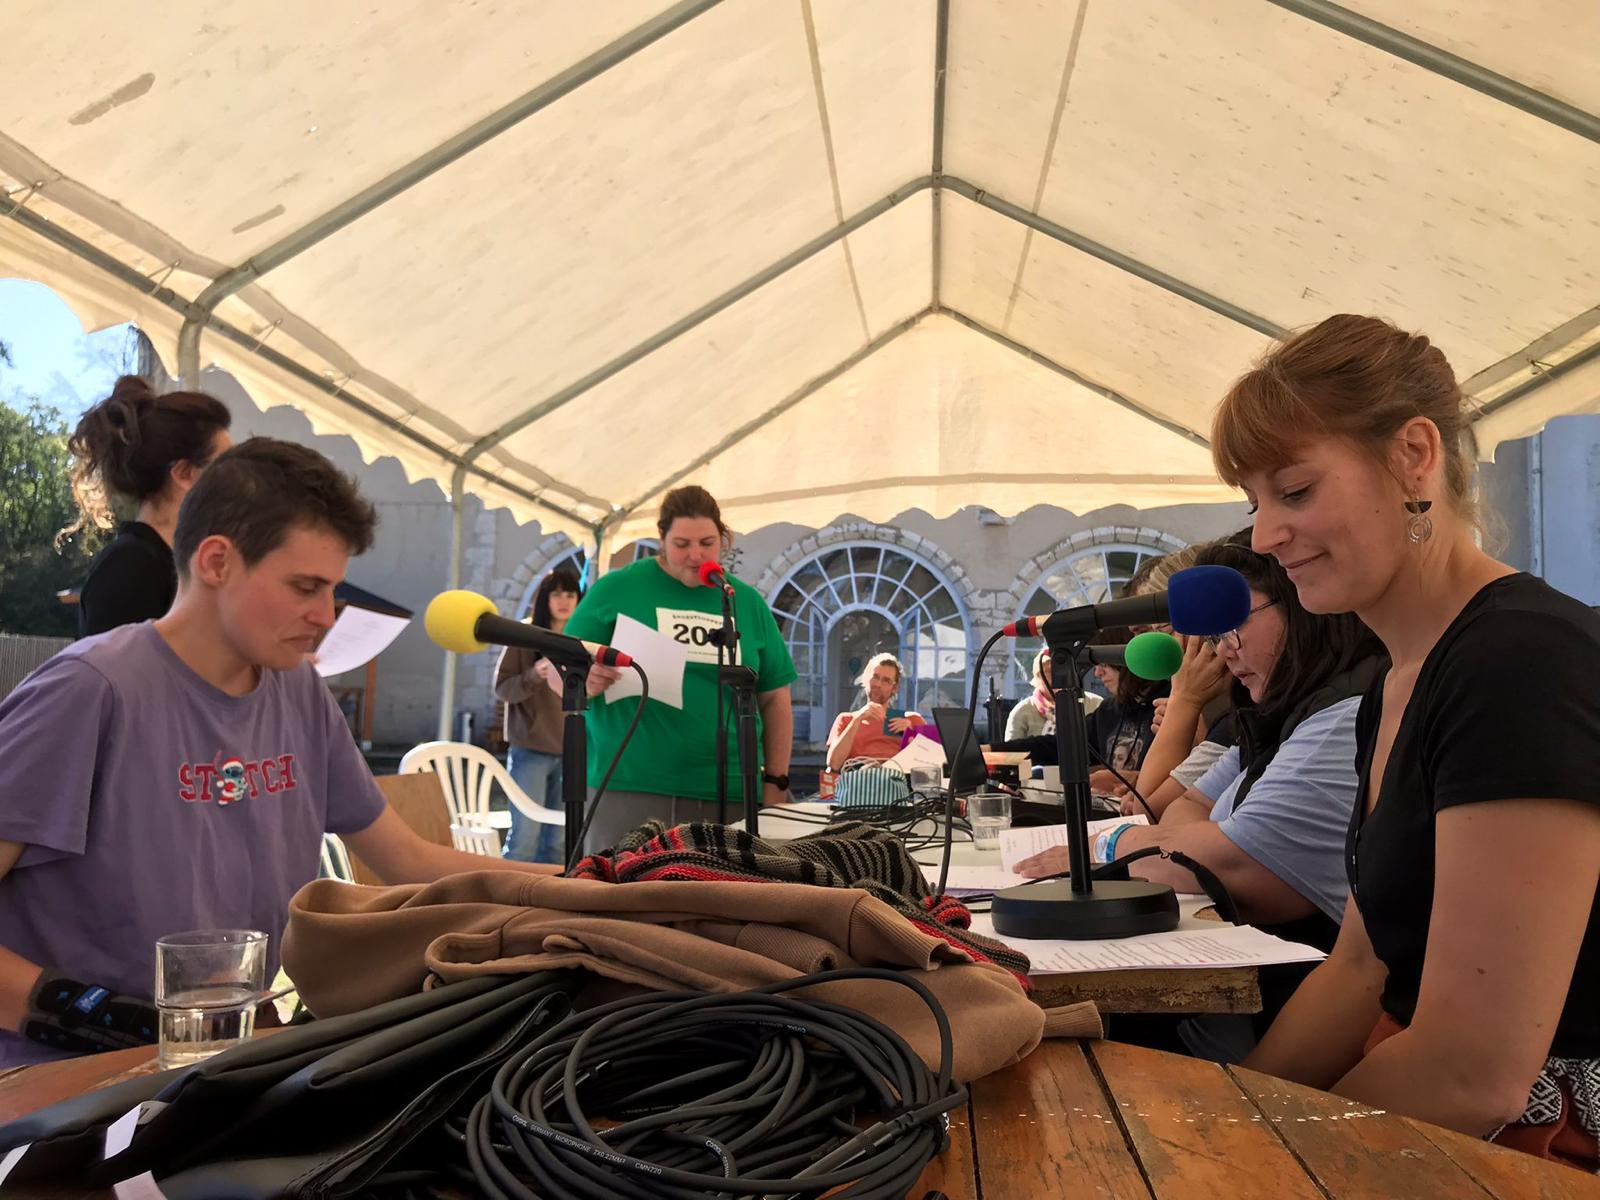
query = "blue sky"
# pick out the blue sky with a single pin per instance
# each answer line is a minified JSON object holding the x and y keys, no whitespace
{"x":51,"y":355}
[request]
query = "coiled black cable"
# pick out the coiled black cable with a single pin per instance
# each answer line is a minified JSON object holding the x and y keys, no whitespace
{"x":727,"y":1095}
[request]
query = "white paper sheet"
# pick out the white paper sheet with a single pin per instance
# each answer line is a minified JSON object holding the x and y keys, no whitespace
{"x":919,"y":753}
{"x":120,"y":1132}
{"x":964,"y":880}
{"x":140,"y":1187}
{"x":662,"y":658}
{"x":1018,"y":844}
{"x":12,"y":1158}
{"x":1207,"y":944}
{"x":357,"y":637}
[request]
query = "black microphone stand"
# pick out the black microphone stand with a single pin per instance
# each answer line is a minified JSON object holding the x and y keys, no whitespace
{"x":1076,"y":908}
{"x":740,"y":680}
{"x":574,"y":746}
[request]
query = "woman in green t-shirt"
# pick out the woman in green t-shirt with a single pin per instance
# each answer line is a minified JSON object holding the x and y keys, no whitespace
{"x":669,"y":770}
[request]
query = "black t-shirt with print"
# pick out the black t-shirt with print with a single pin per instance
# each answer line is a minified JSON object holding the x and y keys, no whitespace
{"x":1505,"y":707}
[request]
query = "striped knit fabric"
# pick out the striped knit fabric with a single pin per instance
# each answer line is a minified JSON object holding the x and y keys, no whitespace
{"x":849,"y":855}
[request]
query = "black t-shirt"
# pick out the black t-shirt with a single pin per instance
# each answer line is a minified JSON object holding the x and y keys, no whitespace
{"x":134,"y":578}
{"x":1504,"y":708}
{"x":1121,"y":736}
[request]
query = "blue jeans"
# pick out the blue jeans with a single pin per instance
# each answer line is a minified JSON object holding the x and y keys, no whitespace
{"x":538,"y":774}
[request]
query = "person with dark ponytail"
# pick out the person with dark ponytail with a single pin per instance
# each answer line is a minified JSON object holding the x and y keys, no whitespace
{"x":144,"y":449}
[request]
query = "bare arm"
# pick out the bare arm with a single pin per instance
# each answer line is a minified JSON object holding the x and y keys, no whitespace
{"x":17,"y":974}
{"x":777,"y":738}
{"x":1202,"y":678}
{"x":1159,"y":801}
{"x":394,"y":851}
{"x":1191,"y":806}
{"x":1261,"y":896}
{"x":840,"y":745}
{"x":1320,"y":1033}
{"x":1174,"y":741}
{"x":1514,"y":885}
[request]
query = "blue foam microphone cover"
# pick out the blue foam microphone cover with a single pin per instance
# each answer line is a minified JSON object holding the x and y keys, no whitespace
{"x":1208,"y":600}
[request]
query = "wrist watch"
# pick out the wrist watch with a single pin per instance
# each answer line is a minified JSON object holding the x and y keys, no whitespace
{"x":781,"y":782}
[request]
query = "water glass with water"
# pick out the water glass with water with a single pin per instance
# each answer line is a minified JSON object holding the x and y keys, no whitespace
{"x":988,"y":813}
{"x":208,"y":983}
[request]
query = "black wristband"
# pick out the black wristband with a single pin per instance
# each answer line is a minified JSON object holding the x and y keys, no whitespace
{"x":85,"y":1018}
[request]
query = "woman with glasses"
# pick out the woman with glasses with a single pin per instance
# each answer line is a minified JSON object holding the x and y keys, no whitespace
{"x":1465,"y":985}
{"x":1193,"y":723}
{"x":1269,"y":818}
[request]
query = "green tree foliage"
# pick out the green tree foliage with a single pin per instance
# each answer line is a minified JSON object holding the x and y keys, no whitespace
{"x":35,"y":503}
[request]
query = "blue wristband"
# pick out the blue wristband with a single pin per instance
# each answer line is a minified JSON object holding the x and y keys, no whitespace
{"x":1112,"y":839}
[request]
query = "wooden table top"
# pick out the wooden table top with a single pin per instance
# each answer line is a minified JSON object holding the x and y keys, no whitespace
{"x":1078,"y":1119}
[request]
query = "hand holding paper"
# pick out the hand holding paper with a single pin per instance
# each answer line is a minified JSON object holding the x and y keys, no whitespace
{"x":662,"y":658}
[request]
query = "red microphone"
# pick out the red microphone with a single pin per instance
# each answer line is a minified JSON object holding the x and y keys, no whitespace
{"x":711,"y":575}
{"x":1026,"y":627}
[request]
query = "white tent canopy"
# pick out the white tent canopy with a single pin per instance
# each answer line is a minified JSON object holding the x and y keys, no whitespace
{"x":821,"y":255}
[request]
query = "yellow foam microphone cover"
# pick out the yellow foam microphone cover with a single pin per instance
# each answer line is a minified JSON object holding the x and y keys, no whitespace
{"x":452,"y":618}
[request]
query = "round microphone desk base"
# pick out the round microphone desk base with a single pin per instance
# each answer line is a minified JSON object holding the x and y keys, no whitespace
{"x":1114,"y":909}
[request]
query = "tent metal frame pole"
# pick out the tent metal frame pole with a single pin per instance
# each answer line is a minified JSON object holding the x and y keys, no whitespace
{"x":1116,"y":258}
{"x":1049,"y":228}
{"x":698,"y":317}
{"x":777,"y":410}
{"x":447,"y":682}
{"x":1452,"y":67}
{"x":419,"y":169}
{"x":1536,"y":504}
{"x":1528,"y":386}
{"x":941,"y":60}
{"x":596,"y":566}
{"x":1082,"y":381}
{"x":122,"y":273}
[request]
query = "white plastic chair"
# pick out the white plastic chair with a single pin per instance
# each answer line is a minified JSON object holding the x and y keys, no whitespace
{"x":468,"y":775}
{"x":336,"y":859}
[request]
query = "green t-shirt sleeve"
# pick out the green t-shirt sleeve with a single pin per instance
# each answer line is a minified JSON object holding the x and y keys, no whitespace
{"x":595,"y":618}
{"x":777,"y":665}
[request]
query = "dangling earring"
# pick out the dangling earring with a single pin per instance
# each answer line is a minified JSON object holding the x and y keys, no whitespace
{"x":1419,"y":526}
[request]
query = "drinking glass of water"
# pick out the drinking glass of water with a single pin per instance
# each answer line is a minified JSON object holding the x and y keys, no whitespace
{"x":988,"y":813}
{"x":208,"y":983}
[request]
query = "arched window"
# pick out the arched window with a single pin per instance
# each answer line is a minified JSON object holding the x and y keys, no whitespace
{"x":852,"y":600}
{"x":1083,"y":574}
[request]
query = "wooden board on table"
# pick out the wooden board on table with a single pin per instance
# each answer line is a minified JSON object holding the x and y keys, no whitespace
{"x":1200,"y":990}
{"x":1509,"y":1174}
{"x":1353,"y":1151}
{"x":419,"y":800}
{"x":28,"y":1089}
{"x":1045,"y":1128}
{"x":1198,"y":1136}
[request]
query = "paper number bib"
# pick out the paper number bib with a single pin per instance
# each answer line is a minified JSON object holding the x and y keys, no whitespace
{"x":692,"y":630}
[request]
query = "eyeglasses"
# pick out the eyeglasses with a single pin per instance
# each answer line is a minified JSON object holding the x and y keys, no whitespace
{"x":1231,"y":638}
